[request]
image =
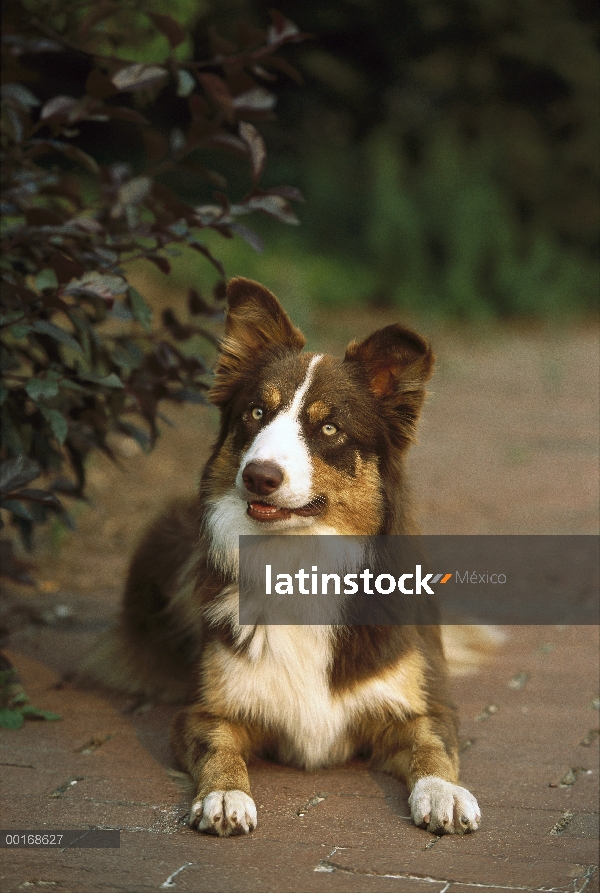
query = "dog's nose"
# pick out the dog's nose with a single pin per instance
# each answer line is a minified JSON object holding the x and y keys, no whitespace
{"x":262,"y":478}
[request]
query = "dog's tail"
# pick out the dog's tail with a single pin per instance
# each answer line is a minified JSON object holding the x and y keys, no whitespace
{"x":115,"y":663}
{"x":152,"y":649}
{"x":467,"y":648}
{"x":109,"y":664}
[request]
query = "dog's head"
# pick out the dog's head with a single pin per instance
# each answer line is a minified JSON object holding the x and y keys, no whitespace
{"x":309,"y":443}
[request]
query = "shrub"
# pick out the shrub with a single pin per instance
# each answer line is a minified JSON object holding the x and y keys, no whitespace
{"x":83,"y":195}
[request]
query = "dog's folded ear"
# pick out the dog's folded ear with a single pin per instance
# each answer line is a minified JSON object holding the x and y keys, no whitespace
{"x":397,"y":363}
{"x":256,"y":325}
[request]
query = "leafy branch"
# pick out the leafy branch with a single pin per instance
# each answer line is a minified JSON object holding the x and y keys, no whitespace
{"x":80,"y":350}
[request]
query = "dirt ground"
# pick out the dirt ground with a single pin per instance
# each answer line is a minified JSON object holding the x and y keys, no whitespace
{"x":508,"y":444}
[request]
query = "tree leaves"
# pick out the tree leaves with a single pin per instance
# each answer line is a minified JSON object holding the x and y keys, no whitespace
{"x":44,"y":327}
{"x":197,"y":305}
{"x":250,"y":237}
{"x":11,"y":718}
{"x":275,"y":206}
{"x":16,"y":473}
{"x":41,"y":388}
{"x":58,"y":423}
{"x":79,"y":349}
{"x":138,"y":76}
{"x":58,"y":106}
{"x":140,"y":308}
{"x":256,"y":100}
{"x":218,"y":92}
{"x":185,"y":82}
{"x":46,"y":279}
{"x":41,"y":496}
{"x":171,"y":28}
{"x":107,"y":381}
{"x":19,"y":94}
{"x":95,"y":285}
{"x":135,"y":191}
{"x":256,"y":148}
{"x":15,"y":707}
{"x":282,"y":29}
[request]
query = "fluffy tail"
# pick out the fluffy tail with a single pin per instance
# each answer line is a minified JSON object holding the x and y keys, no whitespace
{"x":467,"y":648}
{"x":114,"y":664}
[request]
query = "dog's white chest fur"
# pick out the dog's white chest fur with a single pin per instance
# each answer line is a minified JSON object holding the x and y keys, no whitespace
{"x":282,"y":683}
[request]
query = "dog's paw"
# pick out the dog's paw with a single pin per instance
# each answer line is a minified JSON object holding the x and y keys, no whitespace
{"x":224,"y":813}
{"x":443,"y":807}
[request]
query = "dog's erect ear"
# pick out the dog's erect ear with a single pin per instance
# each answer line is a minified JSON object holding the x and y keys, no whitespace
{"x":256,"y":325}
{"x":397,"y":364}
{"x":395,"y":360}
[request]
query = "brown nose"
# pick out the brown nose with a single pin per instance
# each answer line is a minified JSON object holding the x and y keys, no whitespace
{"x":262,"y":478}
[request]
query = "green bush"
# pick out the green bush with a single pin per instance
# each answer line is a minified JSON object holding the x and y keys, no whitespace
{"x":450,"y":151}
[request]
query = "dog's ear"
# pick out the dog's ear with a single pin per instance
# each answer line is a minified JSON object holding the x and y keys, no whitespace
{"x":397,"y":363}
{"x":256,"y":325}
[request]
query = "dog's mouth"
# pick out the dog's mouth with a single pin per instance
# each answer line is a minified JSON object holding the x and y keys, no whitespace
{"x":265,"y":511}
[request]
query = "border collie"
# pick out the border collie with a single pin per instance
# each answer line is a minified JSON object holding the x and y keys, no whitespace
{"x":308,"y":444}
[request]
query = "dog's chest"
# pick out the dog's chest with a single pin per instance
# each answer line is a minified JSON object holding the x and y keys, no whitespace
{"x":282,"y":684}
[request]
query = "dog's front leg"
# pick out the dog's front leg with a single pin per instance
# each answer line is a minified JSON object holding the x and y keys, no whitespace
{"x":427,"y":759}
{"x":214,"y":752}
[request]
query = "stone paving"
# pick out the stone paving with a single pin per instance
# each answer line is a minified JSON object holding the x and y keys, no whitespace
{"x":530,"y":754}
{"x":508,"y":445}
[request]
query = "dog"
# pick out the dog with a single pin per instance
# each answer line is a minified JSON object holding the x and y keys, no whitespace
{"x":308,"y":444}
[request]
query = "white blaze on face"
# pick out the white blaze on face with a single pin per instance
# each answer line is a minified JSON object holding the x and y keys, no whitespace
{"x":281,"y":443}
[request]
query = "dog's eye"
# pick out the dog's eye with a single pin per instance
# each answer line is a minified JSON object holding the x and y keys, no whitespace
{"x":257,"y":413}
{"x":329,"y":429}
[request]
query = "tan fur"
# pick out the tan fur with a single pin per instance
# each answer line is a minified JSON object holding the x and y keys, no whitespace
{"x":309,"y":696}
{"x":416,"y":750}
{"x":311,"y":725}
{"x":356,"y":504}
{"x":271,"y":397}
{"x":468,"y":647}
{"x":318,"y":411}
{"x":401,"y":683}
{"x":212,"y":750}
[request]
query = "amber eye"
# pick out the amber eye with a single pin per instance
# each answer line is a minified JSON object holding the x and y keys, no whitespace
{"x":329,"y":429}
{"x":257,"y":413}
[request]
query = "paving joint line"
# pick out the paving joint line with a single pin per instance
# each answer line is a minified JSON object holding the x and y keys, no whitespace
{"x":328,"y":866}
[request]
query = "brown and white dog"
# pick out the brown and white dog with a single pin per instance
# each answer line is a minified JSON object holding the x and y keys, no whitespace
{"x":308,"y":444}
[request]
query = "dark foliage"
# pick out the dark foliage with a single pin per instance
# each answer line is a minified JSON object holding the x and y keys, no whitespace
{"x":80,"y":352}
{"x":450,"y":149}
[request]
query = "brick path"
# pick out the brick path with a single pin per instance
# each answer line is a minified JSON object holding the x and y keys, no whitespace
{"x":105,"y":767}
{"x":507,"y":446}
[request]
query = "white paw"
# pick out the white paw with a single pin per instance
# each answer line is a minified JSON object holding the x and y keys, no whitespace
{"x":224,"y":813}
{"x":443,"y":807}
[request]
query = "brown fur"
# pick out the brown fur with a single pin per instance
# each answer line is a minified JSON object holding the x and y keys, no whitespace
{"x":376,"y":691}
